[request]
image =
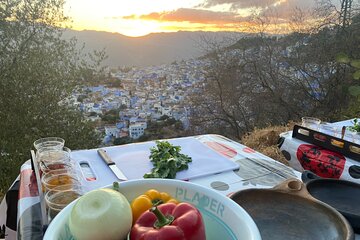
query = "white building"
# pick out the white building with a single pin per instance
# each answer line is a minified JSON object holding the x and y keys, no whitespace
{"x":166,"y":111}
{"x":112,"y":130}
{"x":125,"y":101}
{"x":93,"y":118}
{"x":136,"y":130}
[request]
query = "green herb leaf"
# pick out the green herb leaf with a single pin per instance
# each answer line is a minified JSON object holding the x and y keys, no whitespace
{"x":167,"y":160}
{"x":355,"y":127}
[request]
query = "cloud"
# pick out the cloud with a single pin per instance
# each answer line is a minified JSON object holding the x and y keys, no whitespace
{"x":276,"y":13}
{"x":285,"y":9}
{"x":235,"y":4}
{"x":192,"y":16}
{"x":281,"y":9}
{"x":262,"y":4}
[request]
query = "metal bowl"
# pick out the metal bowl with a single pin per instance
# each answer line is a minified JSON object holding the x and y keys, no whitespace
{"x":342,"y":195}
{"x":289,"y":212}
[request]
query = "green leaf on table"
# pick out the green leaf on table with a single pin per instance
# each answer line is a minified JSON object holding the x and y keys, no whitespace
{"x":342,"y":58}
{"x":354,"y":90}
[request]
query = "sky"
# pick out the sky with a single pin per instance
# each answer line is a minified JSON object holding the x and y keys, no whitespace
{"x":140,"y":17}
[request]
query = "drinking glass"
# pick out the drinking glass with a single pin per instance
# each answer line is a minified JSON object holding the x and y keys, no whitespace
{"x":59,"y":177}
{"x":330,"y":129}
{"x":49,"y":159}
{"x":311,"y":122}
{"x":58,"y":165}
{"x":49,"y":142}
{"x":59,"y":197}
{"x":49,"y":154}
{"x":355,"y":136}
{"x":349,"y":136}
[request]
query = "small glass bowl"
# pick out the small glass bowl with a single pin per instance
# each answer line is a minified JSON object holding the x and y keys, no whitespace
{"x":59,"y":197}
{"x":49,"y":142}
{"x":59,"y":177}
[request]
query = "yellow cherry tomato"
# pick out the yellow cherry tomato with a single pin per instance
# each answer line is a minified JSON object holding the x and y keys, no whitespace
{"x":150,"y":198}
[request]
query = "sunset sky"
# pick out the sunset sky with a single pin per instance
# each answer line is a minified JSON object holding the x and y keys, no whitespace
{"x":141,"y":17}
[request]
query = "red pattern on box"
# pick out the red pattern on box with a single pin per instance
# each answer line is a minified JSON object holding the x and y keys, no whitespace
{"x":321,"y":161}
{"x":222,"y":149}
{"x":28,"y":185}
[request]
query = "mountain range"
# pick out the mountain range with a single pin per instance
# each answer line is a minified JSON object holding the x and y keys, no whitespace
{"x":152,"y":49}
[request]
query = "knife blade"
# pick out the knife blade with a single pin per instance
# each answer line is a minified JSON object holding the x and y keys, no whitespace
{"x":118,"y":173}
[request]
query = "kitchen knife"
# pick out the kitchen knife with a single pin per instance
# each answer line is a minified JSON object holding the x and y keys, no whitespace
{"x":119,"y":174}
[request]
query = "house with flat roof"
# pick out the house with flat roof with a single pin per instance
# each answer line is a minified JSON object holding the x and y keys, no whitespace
{"x":136,"y":130}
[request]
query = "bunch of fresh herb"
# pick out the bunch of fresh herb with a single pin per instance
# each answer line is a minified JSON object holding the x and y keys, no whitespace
{"x":356,"y":127}
{"x":167,"y":160}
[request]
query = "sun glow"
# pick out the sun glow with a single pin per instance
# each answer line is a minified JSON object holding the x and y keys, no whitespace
{"x":131,"y":28}
{"x":106,"y":15}
{"x":141,"y":17}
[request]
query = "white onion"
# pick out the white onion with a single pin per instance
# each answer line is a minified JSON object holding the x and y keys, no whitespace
{"x":101,"y":214}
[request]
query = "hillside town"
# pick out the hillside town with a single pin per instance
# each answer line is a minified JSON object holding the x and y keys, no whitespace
{"x":142,"y":95}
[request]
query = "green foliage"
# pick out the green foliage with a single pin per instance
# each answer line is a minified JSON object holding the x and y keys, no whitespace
{"x":354,"y":90}
{"x":179,"y":126}
{"x":110,"y":116}
{"x":271,"y":81}
{"x":163,"y":117}
{"x":356,"y":126}
{"x":356,"y":75}
{"x":123,"y":107}
{"x":121,"y":141}
{"x":355,"y":63}
{"x":143,"y":138}
{"x":342,"y":58}
{"x":81,"y":98}
{"x":38,"y":69}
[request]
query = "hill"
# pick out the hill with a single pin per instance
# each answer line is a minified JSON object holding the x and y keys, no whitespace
{"x":152,"y":49}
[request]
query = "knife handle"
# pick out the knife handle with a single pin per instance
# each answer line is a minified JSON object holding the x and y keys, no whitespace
{"x":343,"y":132}
{"x":105,"y":156}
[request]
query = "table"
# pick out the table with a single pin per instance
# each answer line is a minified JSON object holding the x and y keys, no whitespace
{"x":304,"y":156}
{"x":255,"y":171}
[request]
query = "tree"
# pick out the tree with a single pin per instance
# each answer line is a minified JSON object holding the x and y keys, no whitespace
{"x":163,"y":117}
{"x":122,"y":140}
{"x":111,"y":116}
{"x":38,"y":69}
{"x":267,"y":79}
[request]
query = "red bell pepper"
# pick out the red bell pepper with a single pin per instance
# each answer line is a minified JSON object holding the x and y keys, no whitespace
{"x":169,"y":221}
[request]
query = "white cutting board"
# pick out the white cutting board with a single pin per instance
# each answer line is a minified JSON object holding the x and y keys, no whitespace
{"x":134,"y":162}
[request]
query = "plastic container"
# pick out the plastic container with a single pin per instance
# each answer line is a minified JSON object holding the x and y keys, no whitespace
{"x":223,"y":218}
{"x":52,"y":142}
{"x":59,"y":197}
{"x":58,"y":177}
